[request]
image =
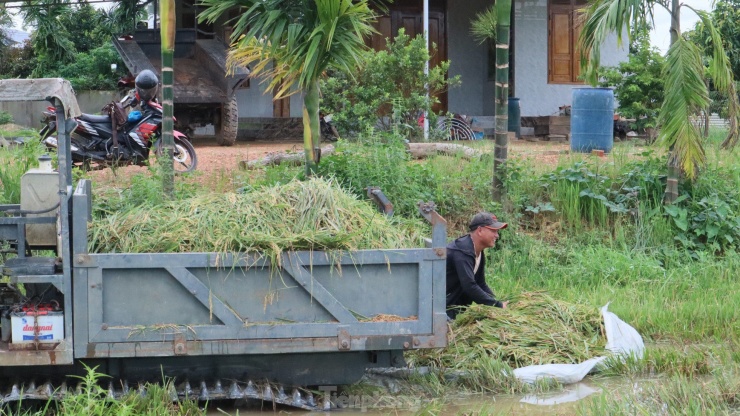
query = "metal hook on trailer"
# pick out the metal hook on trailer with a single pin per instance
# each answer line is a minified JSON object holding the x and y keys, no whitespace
{"x":384,"y":204}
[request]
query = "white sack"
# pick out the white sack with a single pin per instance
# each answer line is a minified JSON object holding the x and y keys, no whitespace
{"x":621,"y":339}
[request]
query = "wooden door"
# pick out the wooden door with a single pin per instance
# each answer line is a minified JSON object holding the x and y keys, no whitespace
{"x":561,"y":66}
{"x":281,"y":107}
{"x":564,"y":28}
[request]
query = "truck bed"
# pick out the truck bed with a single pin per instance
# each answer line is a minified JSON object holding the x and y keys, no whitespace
{"x":193,"y":85}
{"x":150,"y":305}
{"x":199,"y":65}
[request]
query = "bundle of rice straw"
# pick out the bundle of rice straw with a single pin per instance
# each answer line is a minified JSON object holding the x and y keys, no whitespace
{"x":534,"y":329}
{"x":312,"y":215}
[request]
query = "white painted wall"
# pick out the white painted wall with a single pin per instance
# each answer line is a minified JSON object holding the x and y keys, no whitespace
{"x":255,"y":102}
{"x":252,"y":101}
{"x":537,"y":97}
{"x":468,"y":59}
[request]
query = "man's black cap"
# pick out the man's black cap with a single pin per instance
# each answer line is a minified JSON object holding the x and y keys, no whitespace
{"x":486,"y":219}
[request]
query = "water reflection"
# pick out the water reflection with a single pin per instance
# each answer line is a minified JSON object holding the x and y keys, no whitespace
{"x":571,"y":393}
{"x":552,"y":403}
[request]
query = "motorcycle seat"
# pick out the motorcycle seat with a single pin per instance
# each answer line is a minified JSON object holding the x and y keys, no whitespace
{"x":95,"y":118}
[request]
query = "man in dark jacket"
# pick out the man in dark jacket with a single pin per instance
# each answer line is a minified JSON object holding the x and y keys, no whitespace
{"x":466,"y":265}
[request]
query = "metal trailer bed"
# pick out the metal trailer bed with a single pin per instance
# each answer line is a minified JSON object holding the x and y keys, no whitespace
{"x":316,"y":318}
{"x":368,"y":304}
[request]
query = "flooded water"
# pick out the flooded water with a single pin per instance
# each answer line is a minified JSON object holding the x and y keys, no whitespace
{"x":562,"y":402}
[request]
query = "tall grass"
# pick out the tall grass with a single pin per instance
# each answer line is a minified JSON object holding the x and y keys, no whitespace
{"x":691,"y":300}
{"x":676,"y":395}
{"x":14,"y":162}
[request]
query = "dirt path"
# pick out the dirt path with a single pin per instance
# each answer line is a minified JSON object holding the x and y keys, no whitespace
{"x":217,"y":164}
{"x":214,"y":161}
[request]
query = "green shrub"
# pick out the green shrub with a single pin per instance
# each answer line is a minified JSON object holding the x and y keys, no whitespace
{"x":385,"y":163}
{"x":91,"y":70}
{"x":580,"y":194}
{"x":628,"y":204}
{"x":381,"y":162}
{"x":390,"y":89}
{"x":638,"y":83}
{"x":5,"y":117}
{"x":709,"y":223}
{"x":18,"y":62}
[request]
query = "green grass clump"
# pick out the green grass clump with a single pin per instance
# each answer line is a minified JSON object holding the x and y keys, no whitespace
{"x":534,"y":329}
{"x":14,"y":162}
{"x":311,"y":215}
{"x":5,"y":118}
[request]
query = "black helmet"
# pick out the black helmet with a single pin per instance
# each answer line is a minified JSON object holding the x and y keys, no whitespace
{"x":146,"y":85}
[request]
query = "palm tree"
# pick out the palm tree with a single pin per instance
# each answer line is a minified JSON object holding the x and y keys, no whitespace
{"x":686,"y":93}
{"x":50,"y":39}
{"x":5,"y":22}
{"x":291,"y":43}
{"x":123,"y":17}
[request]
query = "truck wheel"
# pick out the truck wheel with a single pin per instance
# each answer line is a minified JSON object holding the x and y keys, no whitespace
{"x":229,"y":123}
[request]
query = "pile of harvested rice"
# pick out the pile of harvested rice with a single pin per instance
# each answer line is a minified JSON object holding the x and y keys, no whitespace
{"x":311,"y":215}
{"x":534,"y":329}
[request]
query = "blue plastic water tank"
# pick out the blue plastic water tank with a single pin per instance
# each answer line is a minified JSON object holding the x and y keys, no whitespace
{"x":592,"y":120}
{"x":515,"y":116}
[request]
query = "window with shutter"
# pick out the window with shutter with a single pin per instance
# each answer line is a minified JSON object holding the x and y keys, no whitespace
{"x":564,"y":27}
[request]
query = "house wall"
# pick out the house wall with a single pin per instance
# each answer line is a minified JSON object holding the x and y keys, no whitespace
{"x":537,"y":97}
{"x":254,"y":102}
{"x":468,"y":59}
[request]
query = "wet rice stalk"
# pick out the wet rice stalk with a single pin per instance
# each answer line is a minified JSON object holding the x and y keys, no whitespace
{"x":485,"y":343}
{"x":534,"y":329}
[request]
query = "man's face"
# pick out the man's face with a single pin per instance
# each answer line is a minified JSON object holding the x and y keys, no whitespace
{"x":489,"y":235}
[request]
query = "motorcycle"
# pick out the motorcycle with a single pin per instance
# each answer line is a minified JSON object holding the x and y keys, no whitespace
{"x":328,"y":132}
{"x":94,"y":148}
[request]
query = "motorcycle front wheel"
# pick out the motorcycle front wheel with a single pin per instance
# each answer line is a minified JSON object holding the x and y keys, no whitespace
{"x":184,"y":158}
